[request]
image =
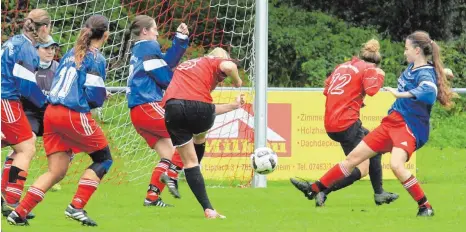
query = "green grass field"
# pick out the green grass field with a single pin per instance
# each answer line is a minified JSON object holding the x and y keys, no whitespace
{"x":279,"y":207}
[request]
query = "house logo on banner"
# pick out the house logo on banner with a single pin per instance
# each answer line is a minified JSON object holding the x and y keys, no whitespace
{"x":232,"y":134}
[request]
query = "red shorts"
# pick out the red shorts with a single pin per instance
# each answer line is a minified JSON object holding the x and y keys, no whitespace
{"x":15,"y":124}
{"x":149,"y":121}
{"x":392,"y":132}
{"x":68,"y":130}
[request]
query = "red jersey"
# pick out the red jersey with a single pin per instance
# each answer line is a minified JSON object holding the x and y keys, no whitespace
{"x":345,"y":89}
{"x":195,"y":79}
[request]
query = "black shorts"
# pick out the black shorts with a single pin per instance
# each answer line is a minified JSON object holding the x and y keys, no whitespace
{"x":185,"y":118}
{"x":350,"y":137}
{"x":36,"y":119}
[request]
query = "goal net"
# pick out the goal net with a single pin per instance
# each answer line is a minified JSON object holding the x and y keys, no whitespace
{"x":212,"y":23}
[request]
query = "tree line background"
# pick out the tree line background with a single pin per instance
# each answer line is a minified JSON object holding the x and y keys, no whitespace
{"x":307,"y":38}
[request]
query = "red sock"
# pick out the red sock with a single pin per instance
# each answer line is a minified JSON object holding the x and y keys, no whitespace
{"x":176,"y":166}
{"x":414,"y":188}
{"x":32,"y":198}
{"x":6,"y":174}
{"x":153,"y":193}
{"x":14,"y":190}
{"x":333,"y":175}
{"x":176,"y":160}
{"x":85,"y":190}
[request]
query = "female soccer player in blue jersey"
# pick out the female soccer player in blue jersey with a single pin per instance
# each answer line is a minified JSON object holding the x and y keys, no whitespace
{"x":78,"y":87}
{"x":35,"y":115}
{"x":19,"y":63}
{"x":406,"y":128}
{"x":150,"y":74}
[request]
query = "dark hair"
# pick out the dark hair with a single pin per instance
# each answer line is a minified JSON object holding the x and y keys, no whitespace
{"x":35,"y":19}
{"x":429,"y":47}
{"x":135,"y":28}
{"x":370,"y":52}
{"x":95,"y":28}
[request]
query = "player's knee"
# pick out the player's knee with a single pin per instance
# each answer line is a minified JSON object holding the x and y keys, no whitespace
{"x":58,"y":176}
{"x":28,"y":151}
{"x":397,"y":167}
{"x":102,"y":161}
{"x":58,"y":173}
{"x":352,"y":160}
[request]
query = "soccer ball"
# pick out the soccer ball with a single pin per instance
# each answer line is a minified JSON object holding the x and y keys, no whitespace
{"x":264,"y":160}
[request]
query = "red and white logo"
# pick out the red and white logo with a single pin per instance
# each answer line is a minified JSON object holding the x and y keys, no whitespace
{"x":232,"y":134}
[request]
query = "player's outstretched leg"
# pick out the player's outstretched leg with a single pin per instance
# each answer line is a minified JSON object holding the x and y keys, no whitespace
{"x":303,"y":186}
{"x":196,"y":180}
{"x":321,"y":197}
{"x":355,"y":175}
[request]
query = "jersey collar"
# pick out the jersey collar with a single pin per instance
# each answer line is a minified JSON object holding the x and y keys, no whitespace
{"x":410,"y":69}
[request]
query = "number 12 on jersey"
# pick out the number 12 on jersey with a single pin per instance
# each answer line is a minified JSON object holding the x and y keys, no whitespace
{"x":338,"y":82}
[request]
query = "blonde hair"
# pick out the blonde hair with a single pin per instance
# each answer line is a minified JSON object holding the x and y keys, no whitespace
{"x":35,"y":19}
{"x":219,"y":53}
{"x":370,"y":51}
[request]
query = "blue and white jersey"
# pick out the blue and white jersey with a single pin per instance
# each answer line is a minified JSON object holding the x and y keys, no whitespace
{"x":150,"y":70}
{"x":80,"y":89}
{"x":422,"y":83}
{"x":19,"y":64}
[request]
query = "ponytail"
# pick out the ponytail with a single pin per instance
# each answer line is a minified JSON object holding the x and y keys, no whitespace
{"x":82,"y":45}
{"x":126,"y":44}
{"x":31,"y":27}
{"x":444,"y":95}
{"x":429,"y":47}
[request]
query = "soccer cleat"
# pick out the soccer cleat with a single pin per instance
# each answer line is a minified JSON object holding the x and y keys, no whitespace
{"x":15,"y":219}
{"x":425,"y":211}
{"x":79,"y":215}
{"x":321,"y":197}
{"x":158,"y":203}
{"x":212,"y":214}
{"x":304,"y":187}
{"x":172,"y":185}
{"x":8,"y":208}
{"x":385,"y":198}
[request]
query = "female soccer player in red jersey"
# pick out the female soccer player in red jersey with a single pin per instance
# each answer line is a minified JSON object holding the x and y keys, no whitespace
{"x":189,"y":113}
{"x":345,"y":90}
{"x":406,"y":128}
{"x":150,"y":74}
{"x":78,"y":87}
{"x":20,"y":61}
